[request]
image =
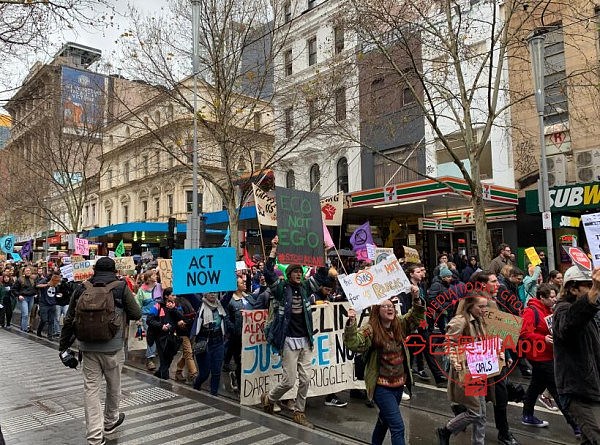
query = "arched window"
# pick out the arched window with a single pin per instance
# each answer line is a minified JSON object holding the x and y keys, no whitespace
{"x":342,"y":175}
{"x":157,"y":118}
{"x":315,"y":179}
{"x":290,"y":179}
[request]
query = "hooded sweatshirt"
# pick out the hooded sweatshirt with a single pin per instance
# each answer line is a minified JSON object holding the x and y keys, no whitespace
{"x":534,"y":330}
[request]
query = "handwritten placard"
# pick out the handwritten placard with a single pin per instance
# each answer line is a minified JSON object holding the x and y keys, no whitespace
{"x":165,"y":266}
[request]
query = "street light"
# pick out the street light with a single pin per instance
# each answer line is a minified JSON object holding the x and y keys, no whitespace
{"x":536,"y":46}
{"x":193,"y":229}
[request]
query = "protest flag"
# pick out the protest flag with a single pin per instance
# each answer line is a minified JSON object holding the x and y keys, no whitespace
{"x":120,"y":250}
{"x":361,"y":237}
{"x":247,"y":259}
{"x":26,"y":250}
{"x":327,"y":237}
{"x":227,"y":239}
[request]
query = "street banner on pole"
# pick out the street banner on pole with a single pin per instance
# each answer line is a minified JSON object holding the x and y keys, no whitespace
{"x":299,"y":227}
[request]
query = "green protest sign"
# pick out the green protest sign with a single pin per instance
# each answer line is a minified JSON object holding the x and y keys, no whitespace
{"x":299,"y":227}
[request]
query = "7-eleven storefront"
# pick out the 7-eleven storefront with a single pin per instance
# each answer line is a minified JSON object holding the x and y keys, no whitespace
{"x":431,"y":216}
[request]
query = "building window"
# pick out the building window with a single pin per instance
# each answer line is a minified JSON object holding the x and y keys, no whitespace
{"x":338,"y":39}
{"x":315,"y":179}
{"x":145,"y":165}
{"x":157,"y":207}
{"x":342,"y":175}
{"x":312,"y":113}
{"x":125,"y":213}
{"x":108,"y":217}
{"x":312,"y":51}
{"x":287,"y":12}
{"x":189,"y":198}
{"x":170,"y":204}
{"x":144,"y":210}
{"x":86,"y":215}
{"x":377,"y":96}
{"x":311,"y":3}
{"x":407,"y":96}
{"x":288,"y":62}
{"x":157,"y":118}
{"x":556,"y":109}
{"x":93,"y":215}
{"x":290,"y":179}
{"x":257,"y":121}
{"x":109,"y":178}
{"x":126,"y":171}
{"x":257,"y":160}
{"x":170,"y":112}
{"x":289,"y":123}
{"x":340,"y":104}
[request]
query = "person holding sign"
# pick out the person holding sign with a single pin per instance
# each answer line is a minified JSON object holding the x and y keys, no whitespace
{"x":387,"y":369}
{"x":535,"y":330}
{"x":289,"y":331}
{"x":469,"y":322}
{"x":576,"y":340}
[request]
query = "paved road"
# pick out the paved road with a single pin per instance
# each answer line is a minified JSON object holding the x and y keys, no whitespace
{"x":42,"y":404}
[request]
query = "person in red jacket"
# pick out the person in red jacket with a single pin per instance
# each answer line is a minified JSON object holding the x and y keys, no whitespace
{"x":536,"y":329}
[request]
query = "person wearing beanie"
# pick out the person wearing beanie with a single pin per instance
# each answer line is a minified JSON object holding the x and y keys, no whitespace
{"x":290,"y":334}
{"x":576,"y":342}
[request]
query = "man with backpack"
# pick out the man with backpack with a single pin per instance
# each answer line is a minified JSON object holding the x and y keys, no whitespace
{"x":98,"y":312}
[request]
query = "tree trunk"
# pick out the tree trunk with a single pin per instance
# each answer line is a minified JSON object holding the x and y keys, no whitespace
{"x":234,"y":222}
{"x":481,"y":228}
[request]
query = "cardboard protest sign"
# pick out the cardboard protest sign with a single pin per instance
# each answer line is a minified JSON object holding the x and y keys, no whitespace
{"x":591,"y":225}
{"x":299,"y":227}
{"x":165,"y":266}
{"x":382,"y":253}
{"x":83,"y":270}
{"x":332,"y":209}
{"x":332,"y":364}
{"x":502,"y":324}
{"x":82,"y":246}
{"x":67,"y":272}
{"x":411,"y":255}
{"x":124,"y":263}
{"x":204,"y":270}
{"x":533,"y":256}
{"x":375,"y":284}
{"x":147,"y":255}
{"x":266,"y":209}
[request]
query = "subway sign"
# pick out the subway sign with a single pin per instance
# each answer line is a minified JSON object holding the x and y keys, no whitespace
{"x":568,"y":197}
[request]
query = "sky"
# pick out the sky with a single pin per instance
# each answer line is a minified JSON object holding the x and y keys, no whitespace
{"x":101,"y":39}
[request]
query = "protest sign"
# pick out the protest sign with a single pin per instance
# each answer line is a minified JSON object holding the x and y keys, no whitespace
{"x":241,"y":265}
{"x":67,"y":272}
{"x":147,"y":255}
{"x":411,"y":255}
{"x":332,"y":363}
{"x":382,"y":253}
{"x":533,"y":256}
{"x":482,"y":356}
{"x":375,"y":284}
{"x":83,"y":270}
{"x":332,"y":209}
{"x":579,"y":258}
{"x":591,"y":225}
{"x":502,"y":324}
{"x":124,"y":263}
{"x":16,"y":257}
{"x":7,"y":243}
{"x":299,"y":227}
{"x":266,"y":209}
{"x":548,"y":320}
{"x":82,"y":246}
{"x":165,"y":266}
{"x":204,"y":270}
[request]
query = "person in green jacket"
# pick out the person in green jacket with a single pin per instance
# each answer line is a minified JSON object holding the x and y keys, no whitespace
{"x":387,"y":368}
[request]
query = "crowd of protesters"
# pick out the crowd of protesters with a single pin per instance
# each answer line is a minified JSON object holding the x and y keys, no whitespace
{"x":208,"y":331}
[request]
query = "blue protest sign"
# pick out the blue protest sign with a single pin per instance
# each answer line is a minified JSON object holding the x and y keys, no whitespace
{"x":16,"y":257}
{"x":7,"y":243}
{"x":204,"y":270}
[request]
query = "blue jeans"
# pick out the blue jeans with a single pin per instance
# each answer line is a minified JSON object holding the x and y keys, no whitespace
{"x":210,"y":363}
{"x":388,"y":401}
{"x":26,"y":305}
{"x":47,"y":318}
{"x":150,"y":349}
{"x":60,"y":310}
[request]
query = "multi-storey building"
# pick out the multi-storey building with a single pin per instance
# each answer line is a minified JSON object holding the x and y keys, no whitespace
{"x":5,"y":122}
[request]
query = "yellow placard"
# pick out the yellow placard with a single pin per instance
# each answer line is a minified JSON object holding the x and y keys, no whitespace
{"x":533,"y":256}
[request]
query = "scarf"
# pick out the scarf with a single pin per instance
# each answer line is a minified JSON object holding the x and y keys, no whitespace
{"x":207,"y":315}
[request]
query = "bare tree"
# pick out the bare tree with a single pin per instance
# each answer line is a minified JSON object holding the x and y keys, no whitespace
{"x":458,"y":78}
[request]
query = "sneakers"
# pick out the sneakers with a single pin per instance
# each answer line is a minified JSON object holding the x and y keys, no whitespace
{"x":548,"y":402}
{"x":276,"y":408}
{"x":233,"y":381}
{"x":179,"y":376}
{"x":422,"y":374}
{"x":150,"y":365}
{"x":507,"y":439}
{"x":300,"y":419}
{"x":110,"y":429}
{"x":534,"y":421}
{"x":577,"y":433}
{"x":443,"y":435}
{"x":526,"y":373}
{"x":266,"y":403}
{"x":192,"y":377}
{"x":405,"y":396}
{"x":334,"y":401}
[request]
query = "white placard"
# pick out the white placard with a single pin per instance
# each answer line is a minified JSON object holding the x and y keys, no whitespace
{"x":591,"y":225}
{"x":375,"y":284}
{"x":67,"y":272}
{"x":482,"y":356}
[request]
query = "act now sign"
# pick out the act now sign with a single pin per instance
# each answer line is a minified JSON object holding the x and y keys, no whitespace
{"x":568,"y":197}
{"x":204,"y":270}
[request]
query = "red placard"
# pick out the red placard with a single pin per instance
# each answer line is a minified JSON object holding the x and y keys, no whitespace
{"x":579,"y":257}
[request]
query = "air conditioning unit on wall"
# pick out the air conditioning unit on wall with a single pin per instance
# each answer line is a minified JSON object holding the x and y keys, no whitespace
{"x":557,"y":170}
{"x":588,"y":165}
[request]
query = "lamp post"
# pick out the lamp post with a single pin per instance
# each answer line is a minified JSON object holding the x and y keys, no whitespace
{"x":193,"y":229}
{"x":536,"y":46}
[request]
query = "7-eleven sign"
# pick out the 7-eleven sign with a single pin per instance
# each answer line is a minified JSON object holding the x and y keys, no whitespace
{"x":389,"y":194}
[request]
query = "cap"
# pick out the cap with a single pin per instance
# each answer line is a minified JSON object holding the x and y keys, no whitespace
{"x":105,"y":264}
{"x":575,"y":273}
{"x":291,"y":268}
{"x":445,"y":272}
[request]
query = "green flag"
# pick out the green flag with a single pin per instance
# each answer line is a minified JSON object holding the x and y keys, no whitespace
{"x":120,"y":250}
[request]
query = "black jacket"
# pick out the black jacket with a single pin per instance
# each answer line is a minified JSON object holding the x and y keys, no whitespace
{"x":577,"y":349}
